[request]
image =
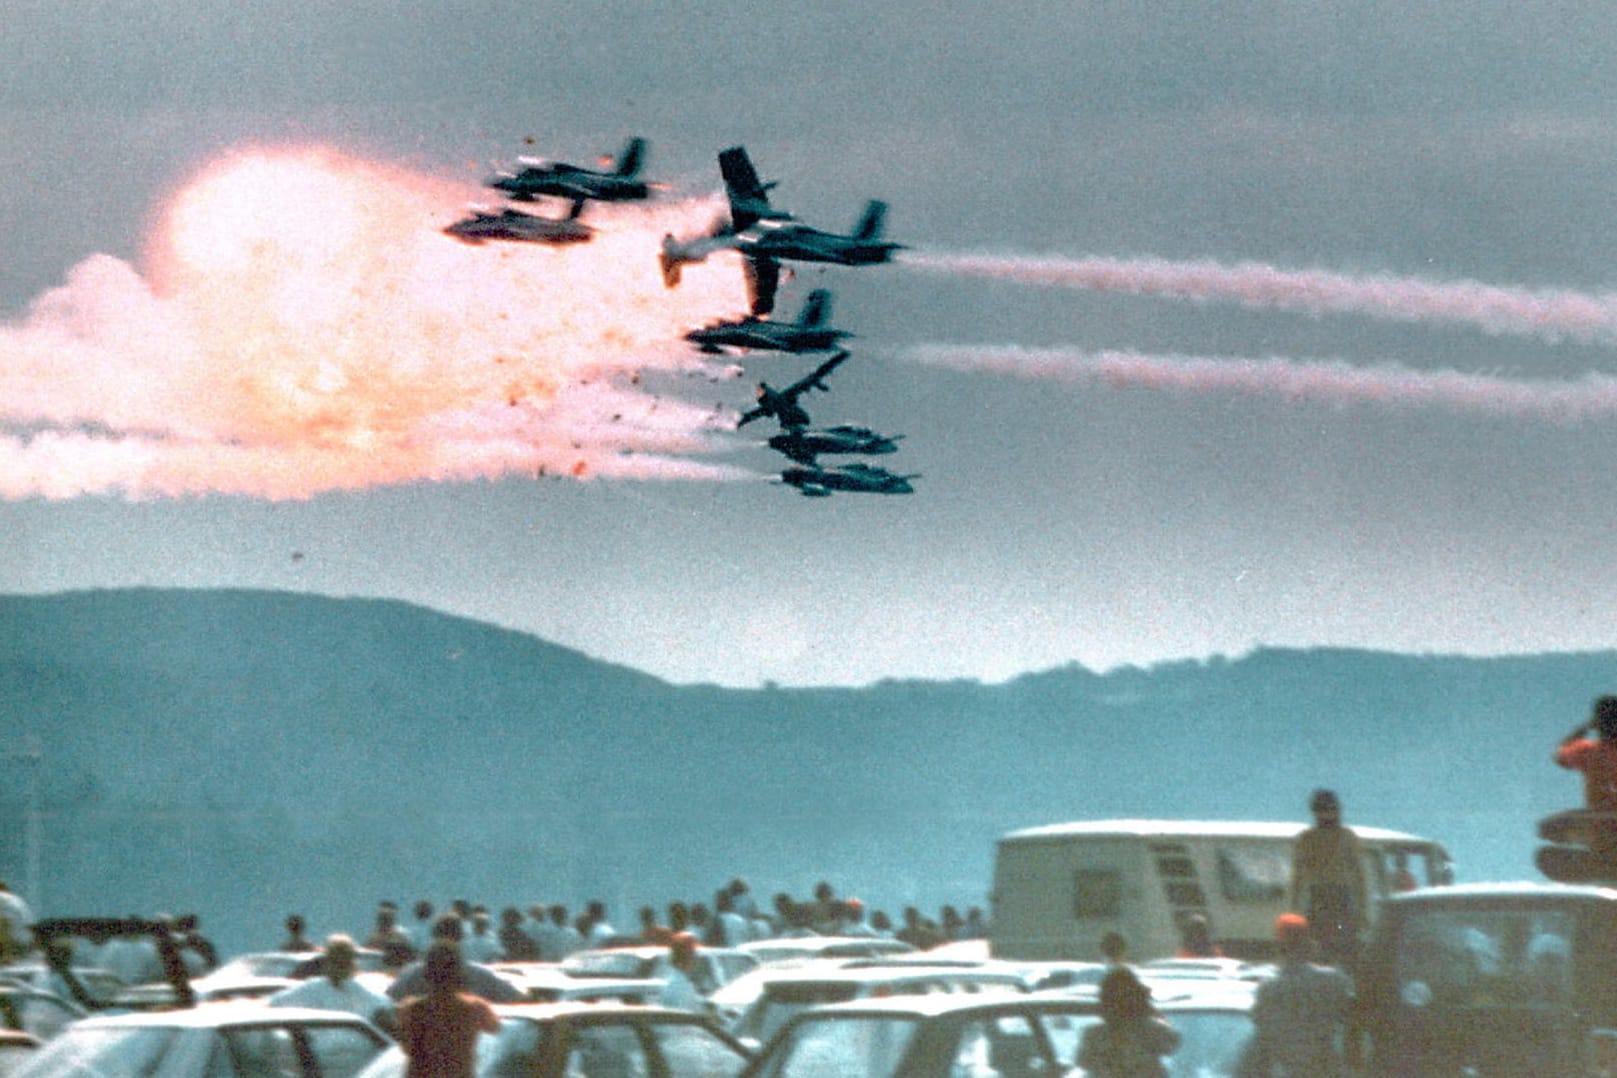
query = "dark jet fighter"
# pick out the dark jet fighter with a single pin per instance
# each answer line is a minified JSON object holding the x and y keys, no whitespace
{"x":803,"y":444}
{"x":808,"y":334}
{"x":782,"y":403}
{"x":512,"y":224}
{"x":817,"y":482}
{"x":536,"y":178}
{"x":765,"y":237}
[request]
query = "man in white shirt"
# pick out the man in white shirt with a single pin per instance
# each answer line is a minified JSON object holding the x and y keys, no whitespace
{"x":335,"y":989}
{"x":679,"y":990}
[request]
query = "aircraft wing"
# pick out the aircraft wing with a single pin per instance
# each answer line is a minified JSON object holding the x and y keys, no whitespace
{"x":813,"y":380}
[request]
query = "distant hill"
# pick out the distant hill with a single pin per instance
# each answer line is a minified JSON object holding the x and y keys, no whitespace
{"x":245,"y":754}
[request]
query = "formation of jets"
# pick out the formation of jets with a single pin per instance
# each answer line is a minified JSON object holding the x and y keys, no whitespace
{"x":536,"y":179}
{"x":764,"y":236}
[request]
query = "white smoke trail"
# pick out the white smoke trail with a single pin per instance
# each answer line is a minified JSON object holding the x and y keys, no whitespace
{"x":1592,"y":397}
{"x":302,"y":325}
{"x":1549,"y":314}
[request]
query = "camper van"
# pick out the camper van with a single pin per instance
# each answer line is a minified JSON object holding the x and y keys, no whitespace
{"x":1059,"y":889}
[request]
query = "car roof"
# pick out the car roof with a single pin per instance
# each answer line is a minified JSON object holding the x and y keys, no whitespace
{"x":939,"y":1003}
{"x":882,"y":974}
{"x":590,"y":1009}
{"x":811,"y":945}
{"x":227,"y":1013}
{"x":1193,"y":828}
{"x":1514,"y":889}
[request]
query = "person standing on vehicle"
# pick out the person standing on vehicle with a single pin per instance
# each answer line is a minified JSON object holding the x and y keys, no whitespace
{"x":1327,"y":881}
{"x":438,"y":1031}
{"x":1300,"y":1015}
{"x":1131,"y":1038}
{"x":1596,"y":757}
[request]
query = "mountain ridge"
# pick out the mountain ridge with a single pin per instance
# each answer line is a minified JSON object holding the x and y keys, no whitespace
{"x":245,"y":753}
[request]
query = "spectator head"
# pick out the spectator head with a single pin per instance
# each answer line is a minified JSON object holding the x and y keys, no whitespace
{"x":1605,"y":717}
{"x":1292,"y":935}
{"x":441,"y":969}
{"x":341,"y":958}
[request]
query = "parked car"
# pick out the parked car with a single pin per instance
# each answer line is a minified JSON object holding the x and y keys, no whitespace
{"x":1213,"y":1020}
{"x":544,"y":982}
{"x":1493,"y":979}
{"x":936,"y":1036}
{"x":221,"y":1040}
{"x":793,"y":949}
{"x":784,"y":993}
{"x":715,"y":966}
{"x":589,"y":1040}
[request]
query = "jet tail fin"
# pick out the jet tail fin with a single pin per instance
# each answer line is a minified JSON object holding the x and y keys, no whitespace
{"x":634,"y":154}
{"x":870,"y":224}
{"x":749,"y":197}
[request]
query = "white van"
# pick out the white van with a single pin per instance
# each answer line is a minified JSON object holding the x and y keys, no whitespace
{"x":1059,"y":889}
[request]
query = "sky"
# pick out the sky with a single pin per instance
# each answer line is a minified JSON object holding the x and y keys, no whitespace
{"x":1218,"y":326}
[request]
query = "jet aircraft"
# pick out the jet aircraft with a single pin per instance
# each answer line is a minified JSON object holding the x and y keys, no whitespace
{"x":817,"y":482}
{"x":782,"y":403}
{"x":803,"y":444}
{"x":765,"y":237}
{"x":512,"y":224}
{"x":808,"y":334}
{"x":536,"y":178}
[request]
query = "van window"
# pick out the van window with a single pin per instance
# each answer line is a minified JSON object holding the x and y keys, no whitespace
{"x":1097,"y":892}
{"x":1254,"y":873}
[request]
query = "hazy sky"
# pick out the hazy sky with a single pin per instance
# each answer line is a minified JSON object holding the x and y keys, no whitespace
{"x":1221,"y":325}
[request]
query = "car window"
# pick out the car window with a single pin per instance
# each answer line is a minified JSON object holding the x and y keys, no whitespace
{"x":263,"y":1052}
{"x":838,"y":1047}
{"x":692,"y":1051}
{"x":1486,"y":958}
{"x":341,"y":1051}
{"x":606,"y":1051}
{"x":1065,"y":1031}
{"x":1001,"y":1046}
{"x":1210,"y":1042}
{"x":91,"y":1052}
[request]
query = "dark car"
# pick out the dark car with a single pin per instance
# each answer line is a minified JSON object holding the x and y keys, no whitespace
{"x":1493,"y":979}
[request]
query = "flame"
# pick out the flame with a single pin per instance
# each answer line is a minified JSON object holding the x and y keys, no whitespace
{"x":304,"y":325}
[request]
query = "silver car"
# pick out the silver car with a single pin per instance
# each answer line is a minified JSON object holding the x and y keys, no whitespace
{"x":220,"y":1040}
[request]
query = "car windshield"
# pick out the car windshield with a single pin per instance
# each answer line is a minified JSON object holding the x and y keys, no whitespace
{"x":1210,"y":1042}
{"x":1468,"y":957}
{"x":94,"y":1052}
{"x":784,"y":999}
{"x":836,"y":1046}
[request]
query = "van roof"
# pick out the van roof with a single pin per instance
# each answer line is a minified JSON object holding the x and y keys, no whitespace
{"x":1193,"y":828}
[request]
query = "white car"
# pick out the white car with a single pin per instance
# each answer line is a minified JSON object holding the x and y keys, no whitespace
{"x":715,"y":966}
{"x":591,"y":1040}
{"x":220,"y":1040}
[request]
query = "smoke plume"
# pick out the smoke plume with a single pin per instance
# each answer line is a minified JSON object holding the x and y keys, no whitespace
{"x":1592,"y":397}
{"x":300,"y":324}
{"x":1543,"y":313}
